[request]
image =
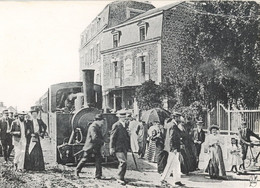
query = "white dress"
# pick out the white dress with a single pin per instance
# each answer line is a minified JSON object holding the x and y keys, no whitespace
{"x":133,"y":136}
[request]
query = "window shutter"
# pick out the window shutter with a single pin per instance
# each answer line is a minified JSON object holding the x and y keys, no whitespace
{"x":147,"y":67}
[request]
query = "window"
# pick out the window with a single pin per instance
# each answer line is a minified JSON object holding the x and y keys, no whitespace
{"x":142,"y":65}
{"x":91,"y":56}
{"x":115,"y":40}
{"x":86,"y":59}
{"x":97,"y":51}
{"x":142,"y":33}
{"x":116,"y":69}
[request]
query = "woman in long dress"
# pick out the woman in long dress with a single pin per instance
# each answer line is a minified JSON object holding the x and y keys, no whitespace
{"x":133,"y":136}
{"x":151,"y":149}
{"x":187,"y":158}
{"x":37,"y":130}
{"x":216,"y":167}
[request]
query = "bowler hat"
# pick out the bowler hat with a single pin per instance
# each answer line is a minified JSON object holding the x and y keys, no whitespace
{"x":34,"y":109}
{"x":99,"y":117}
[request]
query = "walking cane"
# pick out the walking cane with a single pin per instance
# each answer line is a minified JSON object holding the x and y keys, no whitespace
{"x":134,"y":160}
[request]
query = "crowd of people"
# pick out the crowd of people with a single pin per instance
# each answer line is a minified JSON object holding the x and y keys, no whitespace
{"x":21,"y":132}
{"x":175,"y":146}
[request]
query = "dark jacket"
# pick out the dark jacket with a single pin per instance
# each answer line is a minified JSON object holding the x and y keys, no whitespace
{"x":5,"y":127}
{"x":246,"y":136}
{"x":159,"y":138}
{"x":42,"y":126}
{"x":94,"y":139}
{"x":175,"y":139}
{"x":16,"y":128}
{"x":119,"y":138}
{"x":199,"y":136}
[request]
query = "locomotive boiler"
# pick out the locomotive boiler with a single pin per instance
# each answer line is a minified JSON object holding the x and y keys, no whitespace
{"x":68,"y":109}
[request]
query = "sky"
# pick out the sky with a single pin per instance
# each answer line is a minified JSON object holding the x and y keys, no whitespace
{"x":39,"y":43}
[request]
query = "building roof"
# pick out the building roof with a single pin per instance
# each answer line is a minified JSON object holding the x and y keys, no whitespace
{"x":155,"y":10}
{"x":147,"y":13}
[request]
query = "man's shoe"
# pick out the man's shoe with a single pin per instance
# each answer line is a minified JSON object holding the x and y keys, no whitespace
{"x":122,"y":182}
{"x":101,"y":178}
{"x":76,"y":173}
{"x":179,"y":183}
{"x":163,"y":183}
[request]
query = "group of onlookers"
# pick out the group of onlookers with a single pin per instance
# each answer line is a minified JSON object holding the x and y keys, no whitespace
{"x":176,"y":146}
{"x":22,"y":133}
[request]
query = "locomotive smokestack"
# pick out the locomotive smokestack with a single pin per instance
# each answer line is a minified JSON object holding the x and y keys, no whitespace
{"x":88,"y":87}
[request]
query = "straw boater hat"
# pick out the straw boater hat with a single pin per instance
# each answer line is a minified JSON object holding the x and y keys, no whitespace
{"x":199,"y":122}
{"x":121,"y":113}
{"x":182,"y":119}
{"x":213,"y":127}
{"x":22,"y":113}
{"x":243,"y":122}
{"x":176,"y":114}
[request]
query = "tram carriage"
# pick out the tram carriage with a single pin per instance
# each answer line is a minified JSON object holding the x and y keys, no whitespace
{"x":68,"y":109}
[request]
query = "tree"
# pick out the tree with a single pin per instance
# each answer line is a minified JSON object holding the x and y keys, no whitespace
{"x":219,"y":55}
{"x":149,"y":95}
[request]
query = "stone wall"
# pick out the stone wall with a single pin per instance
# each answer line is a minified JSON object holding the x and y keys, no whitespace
{"x":176,"y":30}
{"x":150,"y":51}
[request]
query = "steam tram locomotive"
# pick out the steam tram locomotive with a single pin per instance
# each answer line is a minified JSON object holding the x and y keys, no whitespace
{"x":68,"y":109}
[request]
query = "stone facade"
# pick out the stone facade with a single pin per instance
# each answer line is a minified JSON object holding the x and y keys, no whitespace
{"x":91,"y":38}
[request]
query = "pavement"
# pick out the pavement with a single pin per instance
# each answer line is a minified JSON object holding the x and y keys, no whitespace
{"x":57,"y":175}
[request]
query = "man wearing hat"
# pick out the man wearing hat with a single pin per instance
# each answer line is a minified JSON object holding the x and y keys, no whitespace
{"x":173,"y":164}
{"x":199,"y":138}
{"x":11,"y":115}
{"x":120,"y":144}
{"x":244,"y":135}
{"x":93,"y":144}
{"x":19,"y":131}
{"x":5,"y":136}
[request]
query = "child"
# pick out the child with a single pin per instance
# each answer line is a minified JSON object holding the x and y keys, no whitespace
{"x":235,"y":152}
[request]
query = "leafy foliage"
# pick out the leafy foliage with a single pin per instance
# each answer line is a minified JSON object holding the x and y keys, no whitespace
{"x":219,"y":55}
{"x":149,"y":95}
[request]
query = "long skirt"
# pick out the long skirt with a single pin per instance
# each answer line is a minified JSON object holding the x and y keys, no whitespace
{"x":35,"y":156}
{"x":184,"y":160}
{"x":216,"y":167}
{"x":151,"y":153}
{"x":191,"y":152}
{"x":161,"y":160}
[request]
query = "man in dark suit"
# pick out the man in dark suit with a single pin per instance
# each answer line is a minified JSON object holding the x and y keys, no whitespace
{"x":173,"y":164}
{"x":244,"y":135}
{"x":93,"y":144}
{"x":199,"y":138}
{"x":5,"y":136}
{"x":120,"y":144}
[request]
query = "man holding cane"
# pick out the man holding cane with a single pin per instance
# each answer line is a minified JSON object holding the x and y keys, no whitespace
{"x":120,"y":144}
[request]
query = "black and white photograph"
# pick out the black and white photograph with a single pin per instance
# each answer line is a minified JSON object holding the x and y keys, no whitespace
{"x":129,"y":93}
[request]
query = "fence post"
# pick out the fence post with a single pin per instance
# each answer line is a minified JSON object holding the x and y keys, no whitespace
{"x":218,"y":114}
{"x":229,"y":119}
